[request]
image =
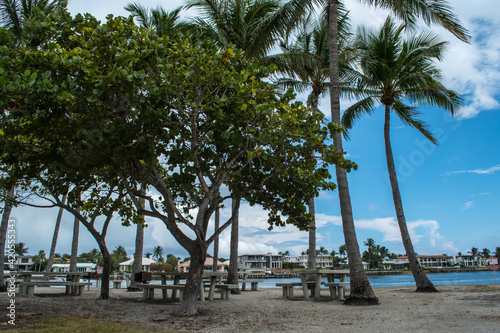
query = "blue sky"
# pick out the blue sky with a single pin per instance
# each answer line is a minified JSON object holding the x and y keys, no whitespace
{"x":450,"y":192}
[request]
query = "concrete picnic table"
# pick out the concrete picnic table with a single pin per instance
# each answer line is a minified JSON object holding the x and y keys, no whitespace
{"x":330,"y":274}
{"x":213,"y":276}
{"x":72,"y":283}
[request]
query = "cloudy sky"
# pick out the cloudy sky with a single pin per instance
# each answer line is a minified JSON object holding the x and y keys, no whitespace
{"x":450,"y":192}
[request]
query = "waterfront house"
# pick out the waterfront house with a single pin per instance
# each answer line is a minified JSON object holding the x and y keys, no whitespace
{"x":259,"y":262}
{"x":146,"y":263}
{"x":208,"y":266}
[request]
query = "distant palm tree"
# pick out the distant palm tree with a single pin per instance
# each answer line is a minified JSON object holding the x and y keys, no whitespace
{"x":148,"y":254}
{"x":486,"y":253}
{"x":474,"y":251}
{"x":158,"y":252}
{"x":13,"y":13}
{"x":20,"y":249}
{"x":395,"y":71}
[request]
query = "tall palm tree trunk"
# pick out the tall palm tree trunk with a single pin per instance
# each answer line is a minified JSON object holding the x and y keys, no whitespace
{"x":3,"y":232}
{"x":361,"y":293}
{"x":232,"y":277}
{"x":311,"y":258}
{"x":422,"y":281}
{"x":50,"y":261}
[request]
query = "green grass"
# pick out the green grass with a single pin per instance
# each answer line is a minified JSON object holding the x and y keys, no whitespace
{"x":70,"y":324}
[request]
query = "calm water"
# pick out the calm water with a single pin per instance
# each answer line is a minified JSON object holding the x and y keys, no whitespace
{"x":400,"y":280}
{"x":407,"y":280}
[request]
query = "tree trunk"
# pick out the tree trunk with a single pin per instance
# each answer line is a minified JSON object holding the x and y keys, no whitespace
{"x":232,"y":277}
{"x":216,"y":240}
{"x":74,"y":245}
{"x":3,"y":233}
{"x":50,"y":261}
{"x":106,"y":270}
{"x":361,"y":292}
{"x":311,"y":258}
{"x":189,"y":304}
{"x":422,"y":281}
{"x":137,"y":265}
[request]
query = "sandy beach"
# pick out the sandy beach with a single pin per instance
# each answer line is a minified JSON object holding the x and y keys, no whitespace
{"x":463,"y":308}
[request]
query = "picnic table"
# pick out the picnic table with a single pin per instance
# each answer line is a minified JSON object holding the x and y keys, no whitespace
{"x":337,"y":289}
{"x":214,"y":282}
{"x":71,"y":282}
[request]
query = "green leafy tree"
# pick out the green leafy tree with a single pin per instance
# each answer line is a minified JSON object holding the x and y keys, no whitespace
{"x":208,"y":119}
{"x":396,"y":71}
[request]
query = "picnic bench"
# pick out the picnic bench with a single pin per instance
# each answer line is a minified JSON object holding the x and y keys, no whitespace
{"x":149,"y":290}
{"x":76,"y":288}
{"x":288,"y":288}
{"x":337,"y":289}
{"x":253,"y":282}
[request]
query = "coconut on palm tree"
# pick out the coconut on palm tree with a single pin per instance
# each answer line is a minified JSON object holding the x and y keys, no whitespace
{"x":400,"y":74}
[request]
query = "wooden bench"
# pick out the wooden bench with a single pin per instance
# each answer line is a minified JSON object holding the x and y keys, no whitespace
{"x":149,"y":290}
{"x":28,"y":288}
{"x":337,"y":289}
{"x":288,"y":287}
{"x":254,"y":284}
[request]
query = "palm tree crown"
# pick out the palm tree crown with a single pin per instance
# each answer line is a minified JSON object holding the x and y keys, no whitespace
{"x":13,"y":13}
{"x":395,"y":71}
{"x":251,"y":25}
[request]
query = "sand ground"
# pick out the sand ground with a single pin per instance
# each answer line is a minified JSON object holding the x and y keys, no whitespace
{"x":464,"y":308}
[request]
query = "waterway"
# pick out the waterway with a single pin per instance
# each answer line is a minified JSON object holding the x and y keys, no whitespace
{"x":377,"y":281}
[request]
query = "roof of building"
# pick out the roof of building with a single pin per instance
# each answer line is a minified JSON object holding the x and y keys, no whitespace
{"x":208,"y":262}
{"x":145,"y":262}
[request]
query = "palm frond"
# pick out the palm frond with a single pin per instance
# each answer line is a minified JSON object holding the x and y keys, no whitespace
{"x":355,"y":112}
{"x":408,"y":116}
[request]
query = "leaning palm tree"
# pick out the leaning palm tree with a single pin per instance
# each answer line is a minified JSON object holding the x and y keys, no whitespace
{"x":13,"y":13}
{"x":432,"y":12}
{"x":400,"y":74}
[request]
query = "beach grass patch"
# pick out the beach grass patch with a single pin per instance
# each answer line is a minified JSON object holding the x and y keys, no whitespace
{"x":72,"y":324}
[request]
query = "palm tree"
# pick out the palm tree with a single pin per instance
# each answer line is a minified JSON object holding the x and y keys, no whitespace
{"x":148,"y":254}
{"x":50,"y":261}
{"x":251,"y":25}
{"x":158,"y":252}
{"x":20,"y":249}
{"x":395,"y":71}
{"x":158,"y":19}
{"x":13,"y":13}
{"x":436,"y":11}
{"x":305,"y":65}
{"x":474,"y":251}
{"x":370,"y":243}
{"x":486,"y":253}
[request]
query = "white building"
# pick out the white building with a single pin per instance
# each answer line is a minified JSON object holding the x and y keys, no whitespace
{"x":80,"y":267}
{"x":22,"y":263}
{"x":322,"y":260}
{"x":146,"y":263}
{"x":259,"y":262}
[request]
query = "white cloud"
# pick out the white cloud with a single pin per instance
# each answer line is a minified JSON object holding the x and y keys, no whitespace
{"x":468,"y":205}
{"x":488,"y":171}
